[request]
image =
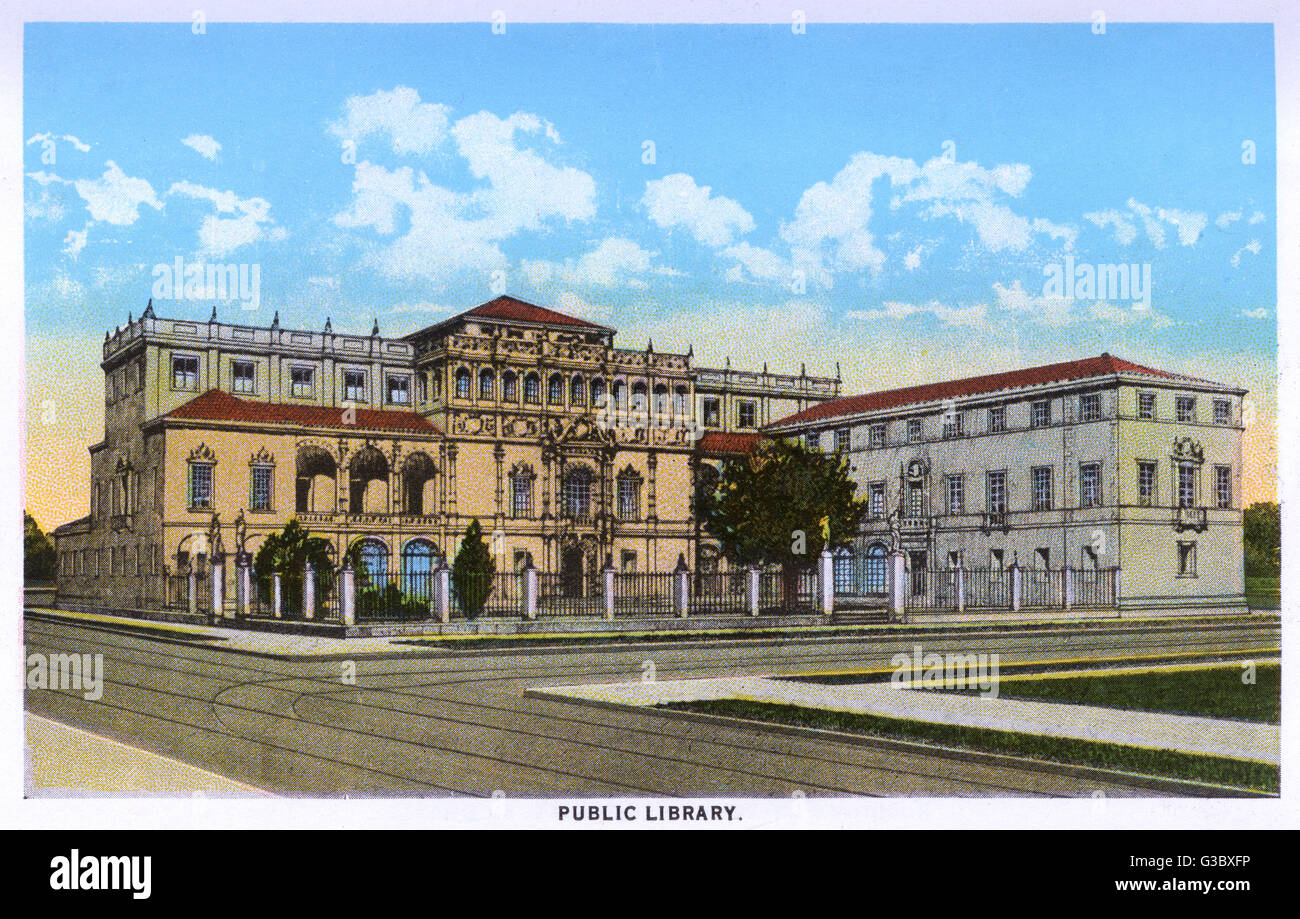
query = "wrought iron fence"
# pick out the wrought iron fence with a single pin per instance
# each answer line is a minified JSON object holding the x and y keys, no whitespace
{"x":930,"y":588}
{"x":720,"y":592}
{"x":639,"y":593}
{"x":475,"y":594}
{"x":1041,"y":587}
{"x":566,"y":595}
{"x":789,"y":592}
{"x":987,"y":588}
{"x":1095,"y":586}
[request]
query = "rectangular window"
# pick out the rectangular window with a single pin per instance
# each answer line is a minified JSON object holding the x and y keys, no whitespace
{"x":243,"y":377}
{"x":1222,"y":411}
{"x":996,"y":491}
{"x":1146,"y":483}
{"x":302,"y":381}
{"x":521,"y":496}
{"x":1147,"y":406}
{"x":876,"y":435}
{"x":185,"y":373}
{"x":629,"y":499}
{"x":1043,"y":558}
{"x":354,"y":385}
{"x":747,"y":414}
{"x":1187,"y":559}
{"x":1223,"y":486}
{"x":259,"y":492}
{"x":1186,"y":484}
{"x":913,"y":430}
{"x":1040,"y":413}
{"x":842,"y":440}
{"x":997,"y":419}
{"x":952,"y":424}
{"x":812,"y":441}
{"x":1090,"y":485}
{"x":712,"y":413}
{"x":1185,"y":409}
{"x":1042,"y":480}
{"x":399,"y":390}
{"x":876,"y":499}
{"x":577,"y":496}
{"x":201,"y":486}
{"x":1090,"y":407}
{"x":956,"y":494}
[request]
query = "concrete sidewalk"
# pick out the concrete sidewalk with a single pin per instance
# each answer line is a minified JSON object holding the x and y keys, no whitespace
{"x":63,"y":760}
{"x":1155,"y":730}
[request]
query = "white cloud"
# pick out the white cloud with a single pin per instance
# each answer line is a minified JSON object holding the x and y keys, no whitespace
{"x":616,"y":260}
{"x":756,"y":263}
{"x":116,"y":197}
{"x":1257,"y":217}
{"x":47,"y":137}
{"x":44,"y":207}
{"x":1227,"y":219}
{"x":1188,"y":224}
{"x":220,"y":235}
{"x":974,"y":315}
{"x":1252,"y":247}
{"x":912,"y":260}
{"x":677,"y":201}
{"x":1260,"y":313}
{"x":75,"y":241}
{"x":410,"y":125}
{"x":203,"y":144}
{"x":1125,"y":229}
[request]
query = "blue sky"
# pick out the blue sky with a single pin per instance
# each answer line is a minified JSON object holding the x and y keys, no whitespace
{"x":886,"y":197}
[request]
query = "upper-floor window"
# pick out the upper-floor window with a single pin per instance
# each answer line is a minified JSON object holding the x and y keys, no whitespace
{"x":555,"y":390}
{"x":521,"y":494}
{"x":747,"y":414}
{"x":1186,"y":484}
{"x":913,"y":430}
{"x":509,"y":387}
{"x":1147,"y":405}
{"x":876,"y":499}
{"x":533,"y":389}
{"x":597,"y":391}
{"x":956,"y":494}
{"x":1042,"y":493}
{"x":487,"y":384}
{"x":201,"y":486}
{"x":1185,"y":409}
{"x":302,"y":381}
{"x":876,"y":435}
{"x":952,"y":424}
{"x":399,"y":390}
{"x":680,"y":399}
{"x":243,"y":376}
{"x":259,"y":491}
{"x":639,"y":402}
{"x":462,"y":383}
{"x":842,"y":439}
{"x":996,"y":492}
{"x":185,"y":373}
{"x":1040,"y":413}
{"x":1146,"y":482}
{"x":997,"y":419}
{"x":620,"y":395}
{"x":577,"y":392}
{"x":1222,"y":411}
{"x":1090,"y":407}
{"x":1223,"y":487}
{"x":577,"y":493}
{"x":1090,"y":485}
{"x":661,"y":400}
{"x":629,"y":497}
{"x":812,"y":440}
{"x":712,"y":413}
{"x":354,"y":385}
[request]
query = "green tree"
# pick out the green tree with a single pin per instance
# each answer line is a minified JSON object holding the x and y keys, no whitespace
{"x":288,"y":552}
{"x":471,"y":572}
{"x":781,"y":506}
{"x":38,"y":551}
{"x":1262,"y":534}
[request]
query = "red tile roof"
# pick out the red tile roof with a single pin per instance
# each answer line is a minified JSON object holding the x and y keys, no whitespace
{"x":513,"y":309}
{"x":216,"y":405}
{"x":727,"y":442}
{"x":1086,"y":368}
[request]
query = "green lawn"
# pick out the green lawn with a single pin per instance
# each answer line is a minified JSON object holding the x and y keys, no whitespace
{"x":1264,"y":593}
{"x":1216,"y":693}
{"x":1163,"y":763}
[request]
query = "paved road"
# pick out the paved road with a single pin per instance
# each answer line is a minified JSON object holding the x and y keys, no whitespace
{"x":461,"y":725}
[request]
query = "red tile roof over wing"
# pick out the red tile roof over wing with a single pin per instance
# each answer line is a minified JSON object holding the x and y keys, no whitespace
{"x":1088,"y":367}
{"x":727,"y":442}
{"x":512,"y":309}
{"x":215,"y":405}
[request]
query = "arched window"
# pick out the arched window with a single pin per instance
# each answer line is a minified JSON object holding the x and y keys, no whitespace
{"x":620,"y":395}
{"x":509,"y":386}
{"x":845,"y":572}
{"x":419,"y":558}
{"x":374,"y":562}
{"x":597,"y":390}
{"x":679,"y":401}
{"x":555,"y":390}
{"x":874,"y":571}
{"x":661,"y":399}
{"x":532,"y":389}
{"x":487,"y":384}
{"x":577,"y":392}
{"x":462,"y":383}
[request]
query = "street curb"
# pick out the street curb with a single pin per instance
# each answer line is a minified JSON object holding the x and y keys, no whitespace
{"x":1138,"y":780}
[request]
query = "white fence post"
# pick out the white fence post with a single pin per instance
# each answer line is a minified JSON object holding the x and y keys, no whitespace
{"x":218,"y":585}
{"x":825,"y":582}
{"x":681,"y":588}
{"x":752,"y":589}
{"x":347,"y":593}
{"x":528,"y":593}
{"x":442,"y":592}
{"x":1017,"y":580}
{"x":243,"y":584}
{"x":897,"y":586}
{"x":308,"y":591}
{"x":192,"y":581}
{"x":607,"y":576}
{"x":1116,"y":582}
{"x":959,"y":588}
{"x":275,"y":594}
{"x":1067,"y":588}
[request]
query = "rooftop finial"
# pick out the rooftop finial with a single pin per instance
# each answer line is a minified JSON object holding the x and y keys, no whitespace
{"x":837,"y":370}
{"x":375,"y":330}
{"x":328,"y":327}
{"x":803,"y":370}
{"x":650,"y":346}
{"x":148,"y":310}
{"x":129,"y":318}
{"x":275,"y":320}
{"x":213,"y":317}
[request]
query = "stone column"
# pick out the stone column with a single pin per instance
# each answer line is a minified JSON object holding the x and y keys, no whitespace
{"x":451,"y":479}
{"x":528,"y":594}
{"x":218,"y":582}
{"x":275,"y":595}
{"x":193,"y":584}
{"x":959,"y":588}
{"x":1067,"y":588}
{"x":243,"y":584}
{"x":347,"y":593}
{"x":897,"y":586}
{"x":752,"y":589}
{"x":1017,"y":578}
{"x":442,"y":592}
{"x":651,"y":502}
{"x":825,"y":582}
{"x":608,"y":576}
{"x":308,"y":591}
{"x":681,"y":588}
